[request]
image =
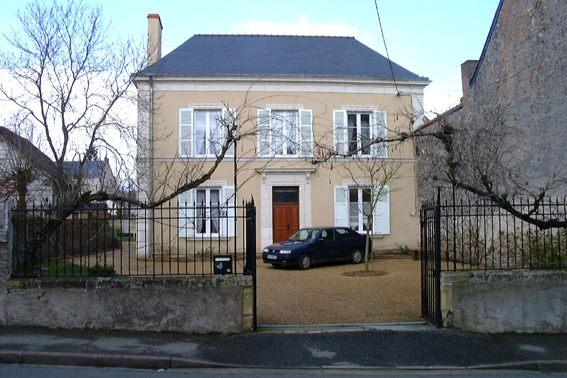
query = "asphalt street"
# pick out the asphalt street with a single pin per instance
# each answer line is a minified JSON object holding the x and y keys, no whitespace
{"x":405,"y":347}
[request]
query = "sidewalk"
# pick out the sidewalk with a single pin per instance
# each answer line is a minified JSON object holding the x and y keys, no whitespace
{"x":409,"y":346}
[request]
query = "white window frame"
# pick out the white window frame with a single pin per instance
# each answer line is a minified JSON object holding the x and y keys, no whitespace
{"x":381,"y":214}
{"x":187,"y":217}
{"x":303,"y":126}
{"x":359,"y":209}
{"x":378,"y":128}
{"x":358,"y":137}
{"x":187,"y":131}
{"x":208,"y":217}
{"x":212,"y":125}
{"x":289,"y":138}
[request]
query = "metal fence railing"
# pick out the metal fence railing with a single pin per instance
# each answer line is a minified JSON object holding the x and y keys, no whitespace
{"x":113,"y":240}
{"x":482,"y":236}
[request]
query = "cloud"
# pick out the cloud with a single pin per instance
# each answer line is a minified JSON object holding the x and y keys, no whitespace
{"x":301,"y":26}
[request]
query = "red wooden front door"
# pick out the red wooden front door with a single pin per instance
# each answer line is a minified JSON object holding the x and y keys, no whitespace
{"x":285,"y":210}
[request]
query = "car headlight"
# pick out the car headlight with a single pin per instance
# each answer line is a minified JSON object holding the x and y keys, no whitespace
{"x":285,"y":251}
{"x":266,"y":250}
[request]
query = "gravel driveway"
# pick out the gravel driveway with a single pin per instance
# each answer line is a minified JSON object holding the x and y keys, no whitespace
{"x":323,"y":295}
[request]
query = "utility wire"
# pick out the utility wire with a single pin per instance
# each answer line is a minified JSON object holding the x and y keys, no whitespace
{"x":386,"y":47}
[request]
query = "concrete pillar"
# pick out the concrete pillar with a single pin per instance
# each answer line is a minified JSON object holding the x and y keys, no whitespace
{"x":5,"y":256}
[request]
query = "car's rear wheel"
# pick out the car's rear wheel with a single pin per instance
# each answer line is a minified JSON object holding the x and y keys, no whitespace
{"x":356,"y":257}
{"x":304,"y":262}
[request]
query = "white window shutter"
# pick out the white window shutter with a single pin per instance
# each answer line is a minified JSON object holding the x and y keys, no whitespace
{"x":340,"y":129}
{"x":381,"y":216}
{"x":341,"y":206}
{"x":228,"y":120}
{"x":186,"y":214}
{"x":185,"y":132}
{"x":228,"y":228}
{"x":379,"y":129}
{"x":264,"y":117}
{"x":305,"y":133}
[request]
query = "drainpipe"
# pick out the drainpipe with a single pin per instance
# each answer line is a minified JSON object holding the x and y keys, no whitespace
{"x":151,"y":165}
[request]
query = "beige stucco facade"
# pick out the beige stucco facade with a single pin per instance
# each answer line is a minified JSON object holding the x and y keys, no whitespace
{"x":161,"y":167}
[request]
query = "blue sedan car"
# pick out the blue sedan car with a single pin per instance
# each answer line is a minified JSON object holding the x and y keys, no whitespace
{"x":310,"y":246}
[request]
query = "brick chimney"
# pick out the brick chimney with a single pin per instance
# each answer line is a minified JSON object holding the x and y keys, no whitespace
{"x":467,"y":72}
{"x":154,"y":38}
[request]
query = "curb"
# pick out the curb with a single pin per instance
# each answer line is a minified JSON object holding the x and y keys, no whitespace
{"x":153,"y":362}
{"x":102,"y":360}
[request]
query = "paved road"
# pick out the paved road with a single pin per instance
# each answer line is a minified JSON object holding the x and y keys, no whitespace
{"x":27,"y":371}
{"x":363,"y":347}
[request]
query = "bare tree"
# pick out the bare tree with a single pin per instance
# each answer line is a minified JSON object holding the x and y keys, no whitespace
{"x":71,"y":83}
{"x":483,"y":155}
{"x":371,"y":180}
{"x":365,"y":159}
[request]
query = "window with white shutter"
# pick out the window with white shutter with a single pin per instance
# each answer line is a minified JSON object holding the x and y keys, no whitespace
{"x":203,"y":132}
{"x":207,"y":212}
{"x":185,"y":132}
{"x":352,"y":208}
{"x":355,"y":133}
{"x":285,"y":133}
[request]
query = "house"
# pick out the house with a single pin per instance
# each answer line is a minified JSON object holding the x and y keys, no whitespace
{"x":519,"y":78}
{"x":292,"y":97}
{"x":25,"y":171}
{"x":95,"y":175}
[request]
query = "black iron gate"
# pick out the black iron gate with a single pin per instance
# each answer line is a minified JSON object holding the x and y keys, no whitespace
{"x":250,"y":266}
{"x":430,"y":216}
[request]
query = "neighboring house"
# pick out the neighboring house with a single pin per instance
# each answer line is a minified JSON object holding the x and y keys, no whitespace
{"x":522,"y":71}
{"x":95,"y":175}
{"x":24,"y":168}
{"x":297,"y":93}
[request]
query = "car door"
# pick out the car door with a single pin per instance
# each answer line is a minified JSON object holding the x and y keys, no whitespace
{"x":345,"y":243}
{"x":324,"y":246}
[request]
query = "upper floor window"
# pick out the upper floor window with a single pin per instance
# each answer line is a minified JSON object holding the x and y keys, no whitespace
{"x":208,"y":131}
{"x":203,"y":132}
{"x":285,"y":133}
{"x":355,"y":133}
{"x":359,"y":133}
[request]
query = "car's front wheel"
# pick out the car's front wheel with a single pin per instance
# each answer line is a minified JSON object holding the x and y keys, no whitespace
{"x":304,"y":262}
{"x":356,"y":257}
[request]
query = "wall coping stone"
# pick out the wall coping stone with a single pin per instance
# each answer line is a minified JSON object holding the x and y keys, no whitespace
{"x":504,"y":276}
{"x":95,"y":283}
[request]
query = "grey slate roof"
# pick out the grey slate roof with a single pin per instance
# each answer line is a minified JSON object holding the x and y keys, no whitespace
{"x":276,"y":56}
{"x":91,"y":169}
{"x":28,"y":149}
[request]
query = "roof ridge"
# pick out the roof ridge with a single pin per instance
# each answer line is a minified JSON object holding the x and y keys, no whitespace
{"x":274,"y":35}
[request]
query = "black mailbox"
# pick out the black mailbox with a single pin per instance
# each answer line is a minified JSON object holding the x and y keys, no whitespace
{"x":222,"y":264}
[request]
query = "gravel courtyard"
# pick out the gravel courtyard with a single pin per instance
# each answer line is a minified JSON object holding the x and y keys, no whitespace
{"x":323,"y":295}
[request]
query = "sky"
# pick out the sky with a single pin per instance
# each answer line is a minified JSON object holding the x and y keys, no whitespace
{"x":428,"y":37}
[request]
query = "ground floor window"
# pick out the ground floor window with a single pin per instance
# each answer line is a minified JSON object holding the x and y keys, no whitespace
{"x":359,"y":208}
{"x":207,"y":209}
{"x":353,"y":206}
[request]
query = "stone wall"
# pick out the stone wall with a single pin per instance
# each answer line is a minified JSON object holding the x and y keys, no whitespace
{"x":217,"y":304}
{"x":523,"y":71}
{"x":502,"y":302}
{"x":214,"y":304}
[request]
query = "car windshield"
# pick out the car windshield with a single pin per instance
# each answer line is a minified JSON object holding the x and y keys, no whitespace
{"x":304,"y":234}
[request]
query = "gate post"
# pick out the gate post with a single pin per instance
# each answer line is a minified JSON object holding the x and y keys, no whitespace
{"x":437,"y":273}
{"x":250,"y":266}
